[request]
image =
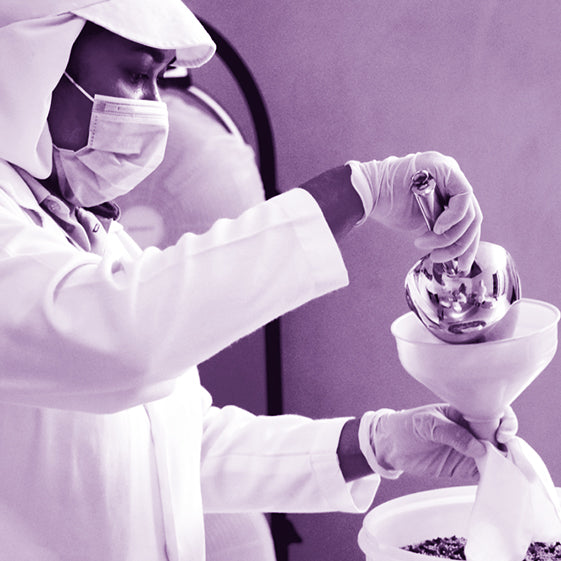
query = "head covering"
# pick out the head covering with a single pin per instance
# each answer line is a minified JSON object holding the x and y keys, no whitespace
{"x":162,"y":24}
{"x":36,"y":37}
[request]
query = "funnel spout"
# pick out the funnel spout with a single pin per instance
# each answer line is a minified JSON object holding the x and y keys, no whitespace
{"x":484,"y":429}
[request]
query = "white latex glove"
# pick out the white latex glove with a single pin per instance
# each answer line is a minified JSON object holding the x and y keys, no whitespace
{"x":426,"y":441}
{"x":384,"y":187}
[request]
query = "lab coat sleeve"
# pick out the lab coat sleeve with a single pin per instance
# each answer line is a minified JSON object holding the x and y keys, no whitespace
{"x":286,"y":463}
{"x":85,"y":332}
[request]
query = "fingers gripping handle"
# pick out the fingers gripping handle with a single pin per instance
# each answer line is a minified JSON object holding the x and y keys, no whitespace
{"x":428,"y":197}
{"x":432,"y":204}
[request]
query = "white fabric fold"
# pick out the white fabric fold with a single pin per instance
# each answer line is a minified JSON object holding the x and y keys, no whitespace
{"x":516,"y":503}
{"x":34,"y":55}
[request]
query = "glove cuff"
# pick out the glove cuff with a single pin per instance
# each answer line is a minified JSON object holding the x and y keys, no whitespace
{"x":366,"y":429}
{"x":363,"y":187}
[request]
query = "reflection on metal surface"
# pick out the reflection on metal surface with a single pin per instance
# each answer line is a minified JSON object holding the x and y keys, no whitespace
{"x":457,"y":306}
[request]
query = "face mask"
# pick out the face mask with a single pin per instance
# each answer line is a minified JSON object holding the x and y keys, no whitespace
{"x":127,"y":140}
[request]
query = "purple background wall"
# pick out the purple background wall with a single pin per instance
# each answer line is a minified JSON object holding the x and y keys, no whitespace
{"x":365,"y":79}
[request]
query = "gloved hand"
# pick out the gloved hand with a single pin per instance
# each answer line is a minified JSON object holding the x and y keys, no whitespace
{"x":432,"y":441}
{"x":384,"y":187}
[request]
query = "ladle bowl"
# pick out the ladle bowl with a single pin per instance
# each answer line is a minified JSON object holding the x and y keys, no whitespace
{"x":464,"y":307}
{"x":481,"y":379}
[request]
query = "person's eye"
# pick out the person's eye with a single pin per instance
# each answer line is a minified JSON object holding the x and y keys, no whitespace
{"x":138,"y":77}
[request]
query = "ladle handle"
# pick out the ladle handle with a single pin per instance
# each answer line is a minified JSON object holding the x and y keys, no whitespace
{"x":431,"y":203}
{"x":428,"y":197}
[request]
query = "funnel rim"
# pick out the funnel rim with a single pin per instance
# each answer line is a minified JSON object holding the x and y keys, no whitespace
{"x":437,"y":341}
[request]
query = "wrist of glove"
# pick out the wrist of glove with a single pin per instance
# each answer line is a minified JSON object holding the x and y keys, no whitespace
{"x":375,"y":181}
{"x":429,"y":441}
{"x":368,"y":427}
{"x":384,"y":188}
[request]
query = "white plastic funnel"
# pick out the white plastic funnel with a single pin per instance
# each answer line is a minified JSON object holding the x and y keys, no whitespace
{"x":481,"y":379}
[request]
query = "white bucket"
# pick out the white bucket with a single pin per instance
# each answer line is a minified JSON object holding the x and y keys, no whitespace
{"x":413,"y":519}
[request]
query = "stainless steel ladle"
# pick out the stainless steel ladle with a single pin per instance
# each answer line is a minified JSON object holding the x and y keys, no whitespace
{"x":459,"y":306}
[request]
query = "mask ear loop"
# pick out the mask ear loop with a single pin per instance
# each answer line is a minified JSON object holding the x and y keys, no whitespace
{"x":78,"y":87}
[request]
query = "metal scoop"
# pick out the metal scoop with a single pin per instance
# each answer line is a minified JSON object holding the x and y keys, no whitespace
{"x":461,"y":306}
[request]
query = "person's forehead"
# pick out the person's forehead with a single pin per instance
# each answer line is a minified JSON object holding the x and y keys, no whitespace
{"x":103,"y":42}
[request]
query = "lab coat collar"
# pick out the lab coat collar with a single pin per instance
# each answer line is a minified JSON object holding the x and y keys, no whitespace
{"x":13,"y":183}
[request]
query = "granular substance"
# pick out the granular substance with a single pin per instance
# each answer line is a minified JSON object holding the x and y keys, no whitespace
{"x":453,"y":548}
{"x":450,"y":547}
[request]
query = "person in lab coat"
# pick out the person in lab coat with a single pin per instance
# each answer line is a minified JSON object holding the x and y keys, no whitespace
{"x":111,"y":447}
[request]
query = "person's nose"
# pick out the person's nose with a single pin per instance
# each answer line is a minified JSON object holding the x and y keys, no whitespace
{"x":152,"y":92}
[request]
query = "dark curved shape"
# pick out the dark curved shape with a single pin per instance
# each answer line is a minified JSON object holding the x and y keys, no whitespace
{"x":255,"y":104}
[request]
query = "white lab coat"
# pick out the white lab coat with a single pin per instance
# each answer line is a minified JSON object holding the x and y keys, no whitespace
{"x":110,"y":447}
